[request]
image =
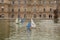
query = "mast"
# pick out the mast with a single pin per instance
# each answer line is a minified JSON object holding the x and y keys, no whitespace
{"x":34,"y":8}
{"x":18,"y":9}
{"x":25,"y":8}
{"x":12,"y":9}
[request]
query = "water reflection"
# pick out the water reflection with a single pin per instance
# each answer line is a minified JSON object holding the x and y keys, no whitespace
{"x":45,"y":30}
{"x":4,"y":29}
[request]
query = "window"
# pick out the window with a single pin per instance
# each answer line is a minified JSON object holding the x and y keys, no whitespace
{"x":40,"y":15}
{"x":0,"y":16}
{"x":25,"y":9}
{"x":44,"y":9}
{"x":18,"y":13}
{"x":12,"y":2}
{"x":44,"y":15}
{"x":12,"y":10}
{"x":29,"y":2}
{"x":2,"y":9}
{"x":50,"y":16}
{"x":50,"y":9}
{"x":44,"y":2}
{"x":55,"y":1}
{"x":19,"y":2}
{"x":39,"y":1}
{"x":34,"y":15}
{"x":12,"y":13}
{"x":18,"y":10}
{"x":51,"y":2}
{"x":2,"y":0}
{"x":25,"y":1}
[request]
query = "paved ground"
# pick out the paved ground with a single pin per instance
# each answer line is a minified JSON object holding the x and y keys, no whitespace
{"x":45,"y":30}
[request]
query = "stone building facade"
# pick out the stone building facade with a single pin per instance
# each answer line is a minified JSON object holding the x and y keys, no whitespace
{"x":4,"y":8}
{"x":40,"y":9}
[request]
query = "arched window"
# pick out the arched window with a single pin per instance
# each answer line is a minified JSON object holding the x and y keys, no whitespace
{"x":50,"y":16}
{"x":50,"y":9}
{"x":44,"y":9}
{"x":12,"y":10}
{"x":12,"y":13}
{"x":34,"y":15}
{"x":44,"y":15}
{"x":55,"y":1}
{"x":0,"y":16}
{"x":2,"y":9}
{"x":2,"y":0}
{"x":40,"y":15}
{"x":41,"y":2}
{"x":18,"y":10}
{"x":13,"y":2}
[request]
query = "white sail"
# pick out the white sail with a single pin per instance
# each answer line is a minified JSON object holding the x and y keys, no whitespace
{"x":32,"y":23}
{"x":18,"y":21}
